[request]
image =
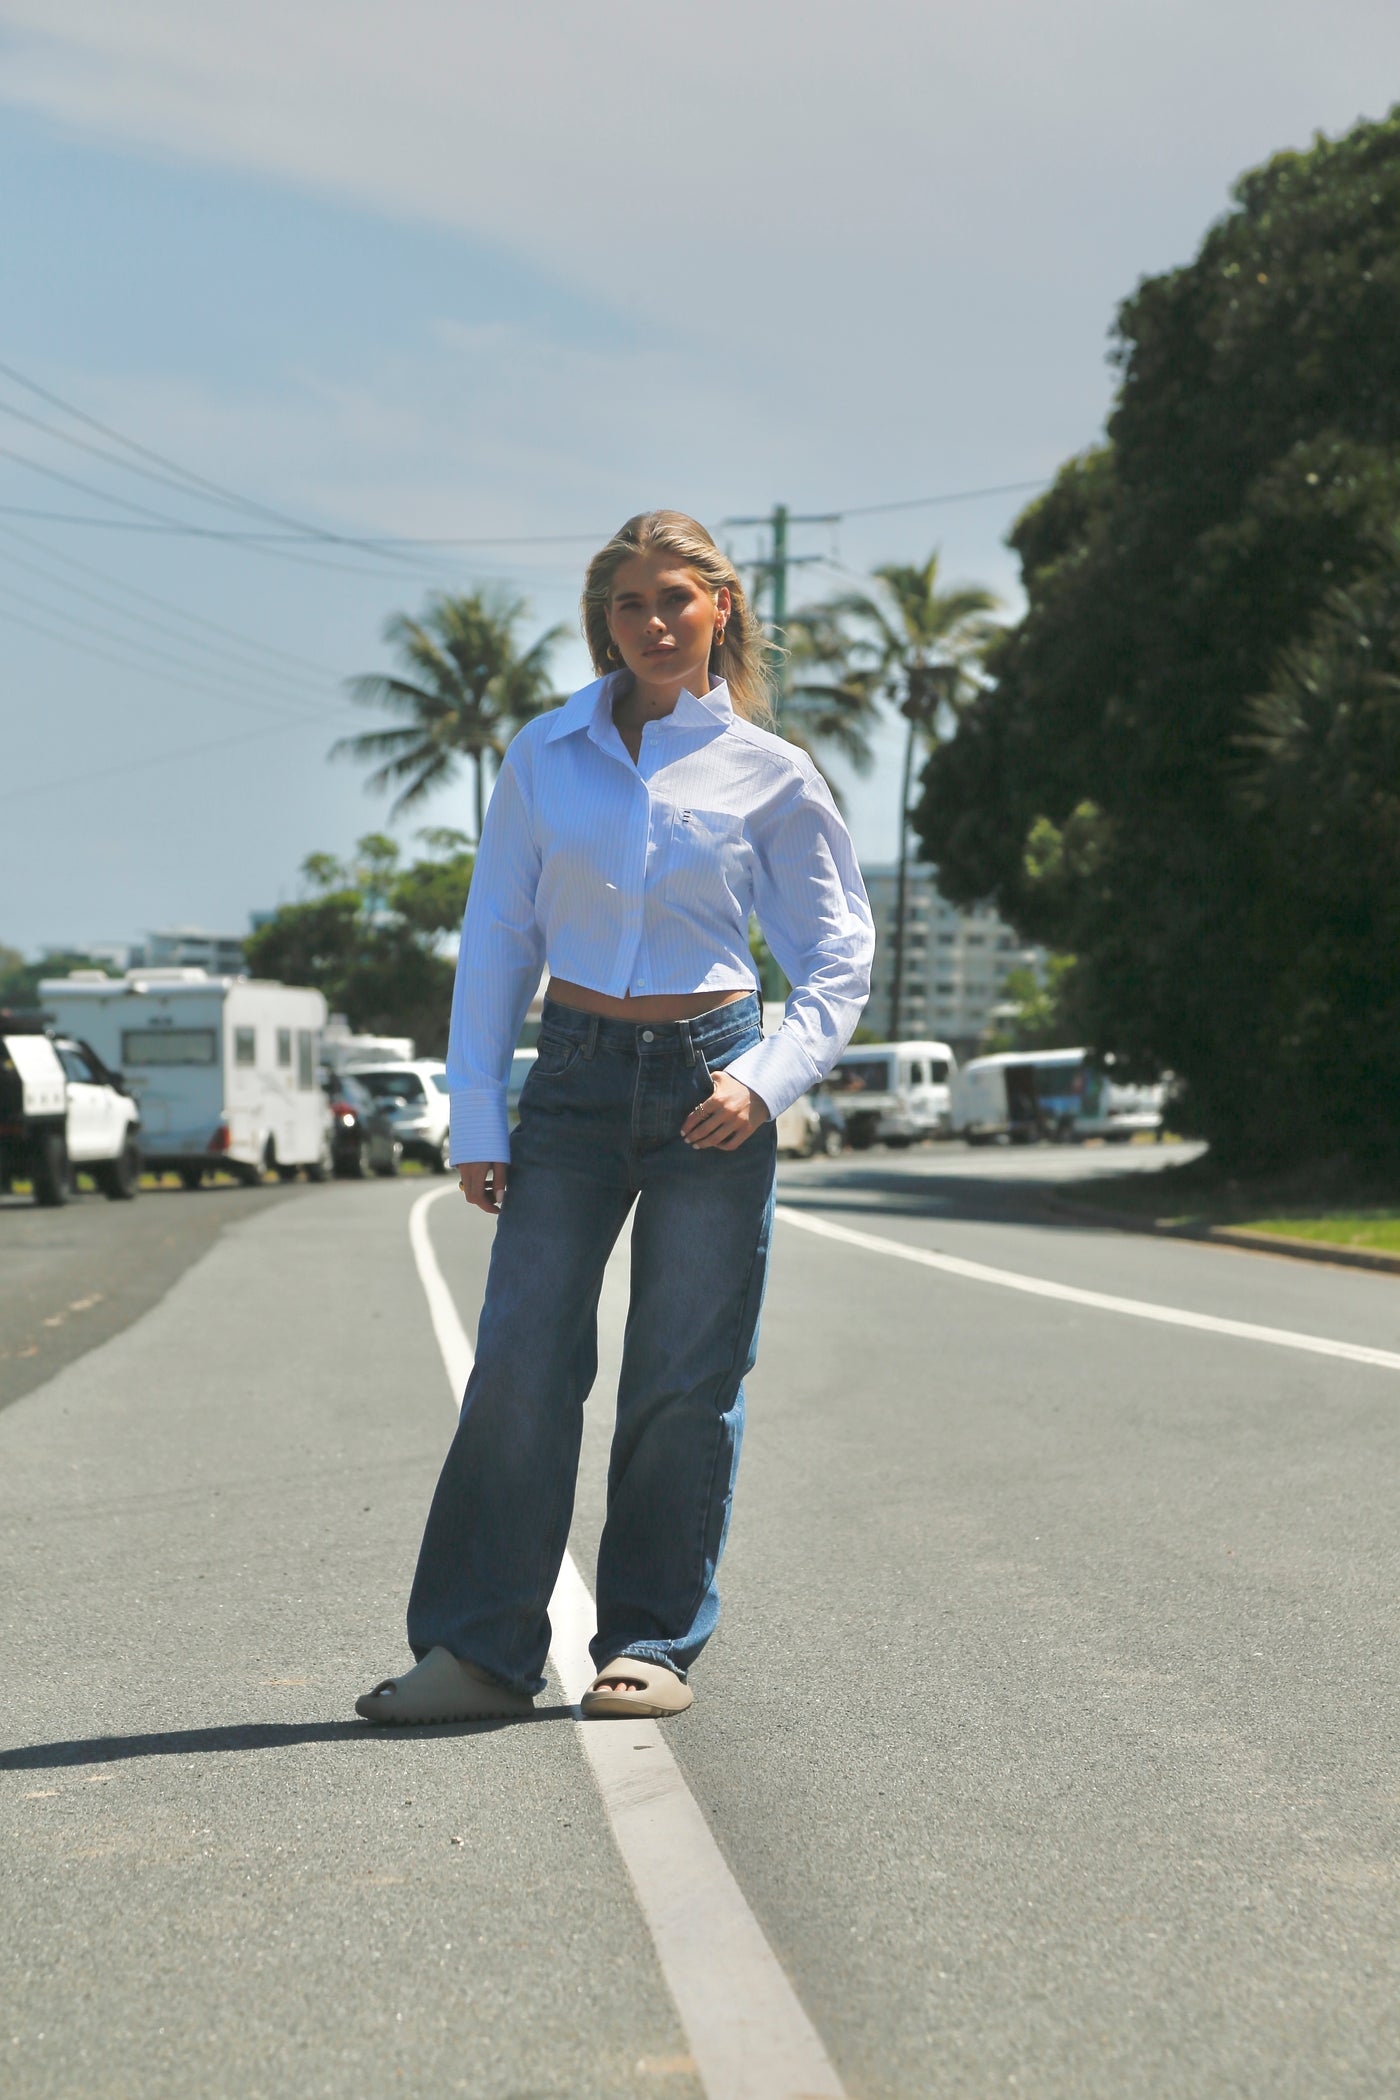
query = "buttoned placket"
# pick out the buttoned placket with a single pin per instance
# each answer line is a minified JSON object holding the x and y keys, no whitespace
{"x":637,"y":974}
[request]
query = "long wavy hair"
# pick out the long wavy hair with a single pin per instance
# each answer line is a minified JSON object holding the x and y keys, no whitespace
{"x":744,"y":658}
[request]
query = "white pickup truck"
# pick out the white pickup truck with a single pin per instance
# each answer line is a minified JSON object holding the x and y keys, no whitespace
{"x":62,"y":1110}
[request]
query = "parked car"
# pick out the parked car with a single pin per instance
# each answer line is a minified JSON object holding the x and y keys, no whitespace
{"x":893,"y":1093}
{"x":363,"y":1138}
{"x":224,"y":1068}
{"x":519,"y":1072}
{"x":62,"y":1109}
{"x":419,"y":1087}
{"x":831,"y":1137}
{"x":799,"y":1129}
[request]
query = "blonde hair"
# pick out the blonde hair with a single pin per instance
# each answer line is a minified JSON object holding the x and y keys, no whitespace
{"x":743,"y":659}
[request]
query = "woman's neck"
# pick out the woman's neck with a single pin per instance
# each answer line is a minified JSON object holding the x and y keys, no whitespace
{"x":640,"y":701}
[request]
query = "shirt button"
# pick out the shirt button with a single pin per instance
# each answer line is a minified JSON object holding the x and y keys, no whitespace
{"x":647,"y":1036}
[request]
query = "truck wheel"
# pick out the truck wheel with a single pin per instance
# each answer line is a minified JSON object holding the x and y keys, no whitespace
{"x":287,"y":1173}
{"x":192,"y":1178}
{"x":393,"y":1162}
{"x":53,"y":1176}
{"x":120,"y":1178}
{"x":833,"y":1144}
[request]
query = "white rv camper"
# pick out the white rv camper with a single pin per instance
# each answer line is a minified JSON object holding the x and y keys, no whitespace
{"x":224,"y":1068}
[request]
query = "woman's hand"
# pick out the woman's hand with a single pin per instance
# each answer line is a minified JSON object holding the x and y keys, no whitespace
{"x":732,"y":1114}
{"x":483,"y":1183}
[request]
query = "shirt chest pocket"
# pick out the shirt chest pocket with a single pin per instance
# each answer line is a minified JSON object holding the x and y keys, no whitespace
{"x":706,"y":850}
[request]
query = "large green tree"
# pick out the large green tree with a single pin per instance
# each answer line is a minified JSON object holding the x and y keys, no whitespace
{"x":466,"y":685}
{"x":372,"y":935}
{"x":1126,"y":789}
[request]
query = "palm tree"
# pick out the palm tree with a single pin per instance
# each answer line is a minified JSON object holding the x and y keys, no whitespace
{"x":467,"y":689}
{"x":830,"y":702}
{"x":914,"y":645}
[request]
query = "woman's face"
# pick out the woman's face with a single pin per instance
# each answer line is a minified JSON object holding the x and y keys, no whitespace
{"x":662,"y":618}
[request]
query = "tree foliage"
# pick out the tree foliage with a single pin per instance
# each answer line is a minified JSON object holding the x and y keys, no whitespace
{"x":465,"y":688}
{"x":372,"y":935}
{"x":19,"y":980}
{"x":1180,"y":773}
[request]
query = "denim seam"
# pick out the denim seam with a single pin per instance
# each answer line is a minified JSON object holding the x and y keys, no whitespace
{"x":729,"y":1384}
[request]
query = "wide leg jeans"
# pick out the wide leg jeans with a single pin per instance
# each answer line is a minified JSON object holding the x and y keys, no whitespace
{"x":599,"y":1135}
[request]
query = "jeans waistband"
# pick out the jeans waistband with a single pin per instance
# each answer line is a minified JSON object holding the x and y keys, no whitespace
{"x":712,"y":1031}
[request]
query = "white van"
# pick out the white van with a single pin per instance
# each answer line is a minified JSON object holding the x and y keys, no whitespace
{"x":224,"y":1068}
{"x":1063,"y":1095}
{"x":893,"y":1093}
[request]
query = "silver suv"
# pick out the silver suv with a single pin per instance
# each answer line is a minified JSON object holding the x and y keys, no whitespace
{"x":420,"y":1120}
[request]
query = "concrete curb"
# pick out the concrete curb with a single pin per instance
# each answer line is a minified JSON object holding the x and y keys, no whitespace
{"x":1373,"y":1258}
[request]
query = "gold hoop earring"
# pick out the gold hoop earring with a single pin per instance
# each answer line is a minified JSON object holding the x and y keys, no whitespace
{"x":614,"y":653}
{"x":719,"y":636}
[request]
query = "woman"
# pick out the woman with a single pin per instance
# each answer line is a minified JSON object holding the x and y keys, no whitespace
{"x":630,"y":834}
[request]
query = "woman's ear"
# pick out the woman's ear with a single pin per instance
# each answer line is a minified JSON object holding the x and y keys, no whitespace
{"x":723,"y":602}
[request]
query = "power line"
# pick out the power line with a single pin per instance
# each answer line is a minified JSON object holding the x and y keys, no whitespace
{"x":70,"y":561}
{"x":188,"y":480}
{"x":1005,"y":488}
{"x":182,"y":679}
{"x":160,"y":758}
{"x":206,"y":666}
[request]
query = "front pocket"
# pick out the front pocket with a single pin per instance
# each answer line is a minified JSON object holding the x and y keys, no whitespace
{"x":706,"y":844}
{"x":556,"y":1054}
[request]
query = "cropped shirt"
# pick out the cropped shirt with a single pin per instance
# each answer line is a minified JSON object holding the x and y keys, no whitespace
{"x":640,"y":879}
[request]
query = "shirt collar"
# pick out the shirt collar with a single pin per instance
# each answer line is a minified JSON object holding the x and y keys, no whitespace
{"x":591,"y":708}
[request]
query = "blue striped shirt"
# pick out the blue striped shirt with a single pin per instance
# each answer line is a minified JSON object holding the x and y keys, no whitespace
{"x":640,"y":879}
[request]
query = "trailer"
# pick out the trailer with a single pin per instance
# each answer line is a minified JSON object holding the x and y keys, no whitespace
{"x":1060,"y":1095}
{"x":225,"y":1069}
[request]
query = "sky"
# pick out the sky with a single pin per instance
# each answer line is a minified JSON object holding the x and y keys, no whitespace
{"x":445,"y":271}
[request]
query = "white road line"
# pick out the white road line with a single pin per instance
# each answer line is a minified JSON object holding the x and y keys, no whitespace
{"x":748,"y":2034}
{"x":1100,"y":1301}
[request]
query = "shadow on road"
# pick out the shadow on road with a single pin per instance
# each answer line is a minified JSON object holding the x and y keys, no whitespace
{"x":999,"y":1199}
{"x":250,"y":1735}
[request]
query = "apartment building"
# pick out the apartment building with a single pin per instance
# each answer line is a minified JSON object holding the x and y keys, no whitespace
{"x":221,"y":954}
{"x":956,"y":962}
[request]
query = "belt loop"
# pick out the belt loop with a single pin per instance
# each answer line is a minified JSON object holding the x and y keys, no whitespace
{"x":590,"y":1036}
{"x":687,"y":1040}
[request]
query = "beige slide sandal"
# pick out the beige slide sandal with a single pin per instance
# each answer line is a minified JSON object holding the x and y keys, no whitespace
{"x":440,"y":1688}
{"x":652,"y":1694}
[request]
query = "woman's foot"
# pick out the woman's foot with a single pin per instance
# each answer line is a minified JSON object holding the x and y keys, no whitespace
{"x":629,"y":1688}
{"x":441,"y":1688}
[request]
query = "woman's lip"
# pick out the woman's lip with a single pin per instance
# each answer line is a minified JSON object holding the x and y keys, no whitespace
{"x":658,"y":649}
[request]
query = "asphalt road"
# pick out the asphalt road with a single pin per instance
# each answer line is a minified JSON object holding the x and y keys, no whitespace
{"x":1050,"y":1730}
{"x":74,"y":1276}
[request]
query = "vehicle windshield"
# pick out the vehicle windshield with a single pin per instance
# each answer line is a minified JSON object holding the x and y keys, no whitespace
{"x":386,"y":1086}
{"x":866,"y":1075}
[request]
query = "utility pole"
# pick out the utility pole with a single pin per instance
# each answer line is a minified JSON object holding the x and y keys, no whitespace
{"x":773,"y":569}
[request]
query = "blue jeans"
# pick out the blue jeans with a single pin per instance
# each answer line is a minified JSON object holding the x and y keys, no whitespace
{"x":599,"y":1131}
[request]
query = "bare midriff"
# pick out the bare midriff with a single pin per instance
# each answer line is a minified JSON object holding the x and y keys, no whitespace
{"x":677,"y":1006}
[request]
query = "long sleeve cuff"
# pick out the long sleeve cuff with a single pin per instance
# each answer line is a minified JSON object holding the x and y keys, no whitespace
{"x":778,"y":1070}
{"x":480,"y":1125}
